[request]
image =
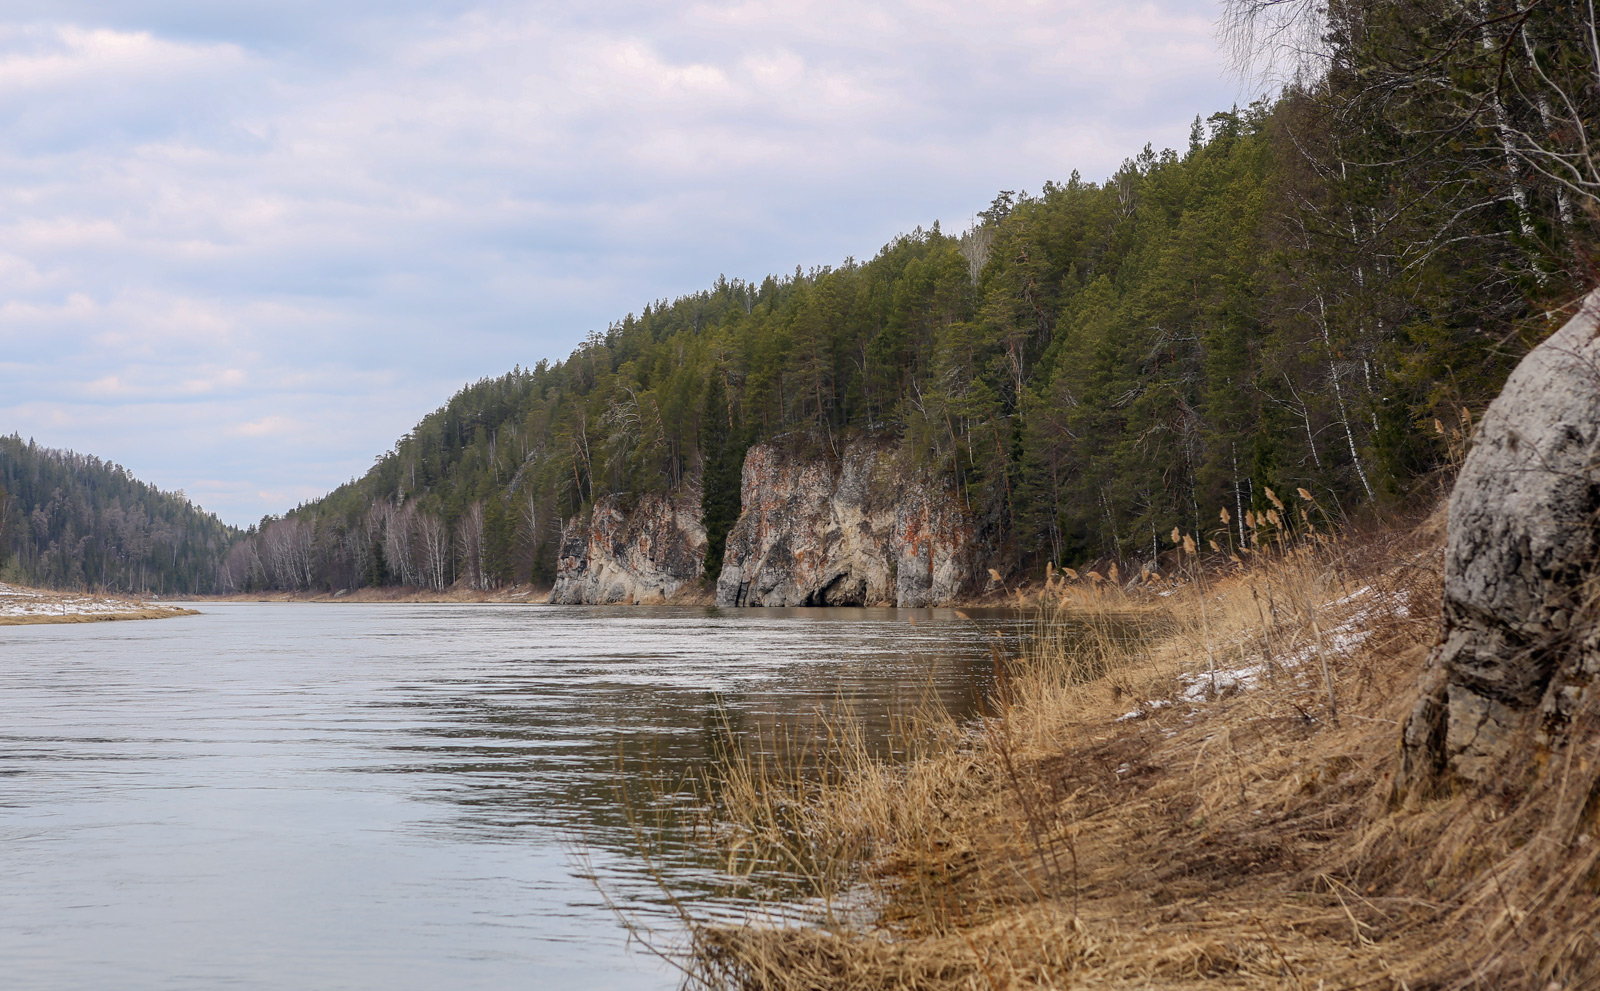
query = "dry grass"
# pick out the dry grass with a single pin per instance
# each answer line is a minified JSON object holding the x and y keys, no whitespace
{"x":43,"y":619}
{"x":21,"y":605}
{"x":1206,"y":806}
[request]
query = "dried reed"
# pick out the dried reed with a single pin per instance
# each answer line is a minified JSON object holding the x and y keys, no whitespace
{"x":1126,"y":818}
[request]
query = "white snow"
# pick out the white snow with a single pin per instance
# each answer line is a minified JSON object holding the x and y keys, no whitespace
{"x":1144,"y":710}
{"x":23,"y":603}
{"x":1338,"y":641}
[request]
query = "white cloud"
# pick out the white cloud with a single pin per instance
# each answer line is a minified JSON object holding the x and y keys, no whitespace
{"x":268,"y":426}
{"x":33,"y":59}
{"x":213,"y":214}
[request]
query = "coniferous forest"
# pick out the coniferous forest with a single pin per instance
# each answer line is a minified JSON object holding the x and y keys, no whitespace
{"x":73,"y":521}
{"x":1318,"y":291}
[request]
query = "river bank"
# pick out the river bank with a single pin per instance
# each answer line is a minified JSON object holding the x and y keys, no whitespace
{"x":23,"y":606}
{"x":508,"y":595}
{"x":1213,"y":806}
{"x":698,"y":594}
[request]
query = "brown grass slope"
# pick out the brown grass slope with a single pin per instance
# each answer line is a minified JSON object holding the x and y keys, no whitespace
{"x":1208,"y":806}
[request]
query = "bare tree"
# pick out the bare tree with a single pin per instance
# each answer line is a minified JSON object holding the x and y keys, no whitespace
{"x":469,"y":546}
{"x":399,"y":543}
{"x":433,"y":541}
{"x":1515,"y":82}
{"x":289,"y":550}
{"x":975,"y":245}
{"x":1273,"y":42}
{"x":243,"y":568}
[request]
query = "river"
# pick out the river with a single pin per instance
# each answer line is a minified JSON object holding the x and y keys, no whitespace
{"x":329,"y":796}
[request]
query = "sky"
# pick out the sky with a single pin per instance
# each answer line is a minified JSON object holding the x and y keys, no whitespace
{"x":245,"y":246}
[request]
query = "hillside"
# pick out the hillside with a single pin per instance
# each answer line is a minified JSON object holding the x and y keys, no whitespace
{"x":1316,"y":293}
{"x":71,"y":520}
{"x":1358,"y":759}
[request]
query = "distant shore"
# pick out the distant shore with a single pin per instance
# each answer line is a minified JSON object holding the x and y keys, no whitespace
{"x":23,"y":606}
{"x":689,"y":595}
{"x":512,"y":594}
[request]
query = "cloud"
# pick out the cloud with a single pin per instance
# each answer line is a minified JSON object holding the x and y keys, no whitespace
{"x":267,"y":426}
{"x":211,"y":214}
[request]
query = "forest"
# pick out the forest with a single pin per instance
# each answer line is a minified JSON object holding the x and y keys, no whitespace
{"x":73,"y":521}
{"x":1319,"y":292}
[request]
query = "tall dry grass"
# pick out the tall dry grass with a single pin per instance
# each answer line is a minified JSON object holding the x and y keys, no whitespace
{"x":1184,"y":781}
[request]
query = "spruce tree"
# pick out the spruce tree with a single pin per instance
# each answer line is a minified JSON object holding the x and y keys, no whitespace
{"x":499,"y":538}
{"x":722,"y":458}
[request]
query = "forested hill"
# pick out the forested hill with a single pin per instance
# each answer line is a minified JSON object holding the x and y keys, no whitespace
{"x":1314,"y":294}
{"x":70,"y":520}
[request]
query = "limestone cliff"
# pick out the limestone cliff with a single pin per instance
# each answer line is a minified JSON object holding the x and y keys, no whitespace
{"x":646,"y":552}
{"x":815,"y":530}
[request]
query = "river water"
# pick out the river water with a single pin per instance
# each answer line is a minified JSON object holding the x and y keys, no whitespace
{"x":328,"y":796}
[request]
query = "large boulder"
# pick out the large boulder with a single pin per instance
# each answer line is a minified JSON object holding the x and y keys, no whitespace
{"x":1521,"y":559}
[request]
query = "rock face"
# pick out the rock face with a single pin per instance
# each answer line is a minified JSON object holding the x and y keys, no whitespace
{"x":640,"y":555}
{"x":1521,"y":558}
{"x":856,"y":530}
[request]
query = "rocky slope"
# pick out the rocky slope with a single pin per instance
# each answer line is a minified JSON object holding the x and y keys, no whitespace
{"x":815,"y":530}
{"x":636,"y":554}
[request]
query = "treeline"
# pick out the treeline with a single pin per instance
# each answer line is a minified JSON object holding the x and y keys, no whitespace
{"x":1317,"y":292}
{"x":70,"y":520}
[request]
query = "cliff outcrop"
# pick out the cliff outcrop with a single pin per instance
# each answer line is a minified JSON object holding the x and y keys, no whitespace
{"x":631,"y":554}
{"x":1522,"y":558}
{"x":854,"y":529}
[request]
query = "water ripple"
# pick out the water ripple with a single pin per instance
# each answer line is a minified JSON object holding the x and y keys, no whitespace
{"x":277,"y":796}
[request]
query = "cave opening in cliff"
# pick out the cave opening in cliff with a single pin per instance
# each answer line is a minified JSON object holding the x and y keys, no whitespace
{"x":845,"y":589}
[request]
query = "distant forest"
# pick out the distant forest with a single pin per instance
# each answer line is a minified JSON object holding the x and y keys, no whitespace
{"x":73,"y":521}
{"x":1317,"y":292}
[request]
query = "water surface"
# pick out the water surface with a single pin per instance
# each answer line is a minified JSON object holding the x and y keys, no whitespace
{"x":327,"y":796}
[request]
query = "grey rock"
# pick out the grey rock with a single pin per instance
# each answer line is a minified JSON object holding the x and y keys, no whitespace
{"x":851,"y":530}
{"x":1521,"y":546}
{"x":643,"y":554}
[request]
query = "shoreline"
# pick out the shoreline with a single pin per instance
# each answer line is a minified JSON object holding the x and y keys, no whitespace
{"x":1184,"y":809}
{"x":535,"y":595}
{"x":116,"y":617}
{"x":21,"y":605}
{"x":511,"y":595}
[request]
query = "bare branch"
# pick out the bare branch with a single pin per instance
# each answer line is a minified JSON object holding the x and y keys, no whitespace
{"x":1274,"y":41}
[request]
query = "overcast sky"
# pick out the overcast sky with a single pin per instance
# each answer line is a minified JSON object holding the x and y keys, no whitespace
{"x":244,"y":246}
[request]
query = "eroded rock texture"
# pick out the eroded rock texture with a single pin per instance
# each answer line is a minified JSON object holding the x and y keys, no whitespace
{"x":1520,"y":562}
{"x":817,"y":530}
{"x":634,"y":556}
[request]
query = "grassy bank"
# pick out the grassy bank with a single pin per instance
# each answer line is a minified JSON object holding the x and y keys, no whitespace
{"x":43,"y":619}
{"x":1210,"y":805}
{"x":24,"y":606}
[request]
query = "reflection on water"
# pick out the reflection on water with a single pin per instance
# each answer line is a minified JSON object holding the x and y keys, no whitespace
{"x":387,"y":796}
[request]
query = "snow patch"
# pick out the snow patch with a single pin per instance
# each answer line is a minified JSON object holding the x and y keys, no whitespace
{"x":25,"y":603}
{"x":1338,"y":641}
